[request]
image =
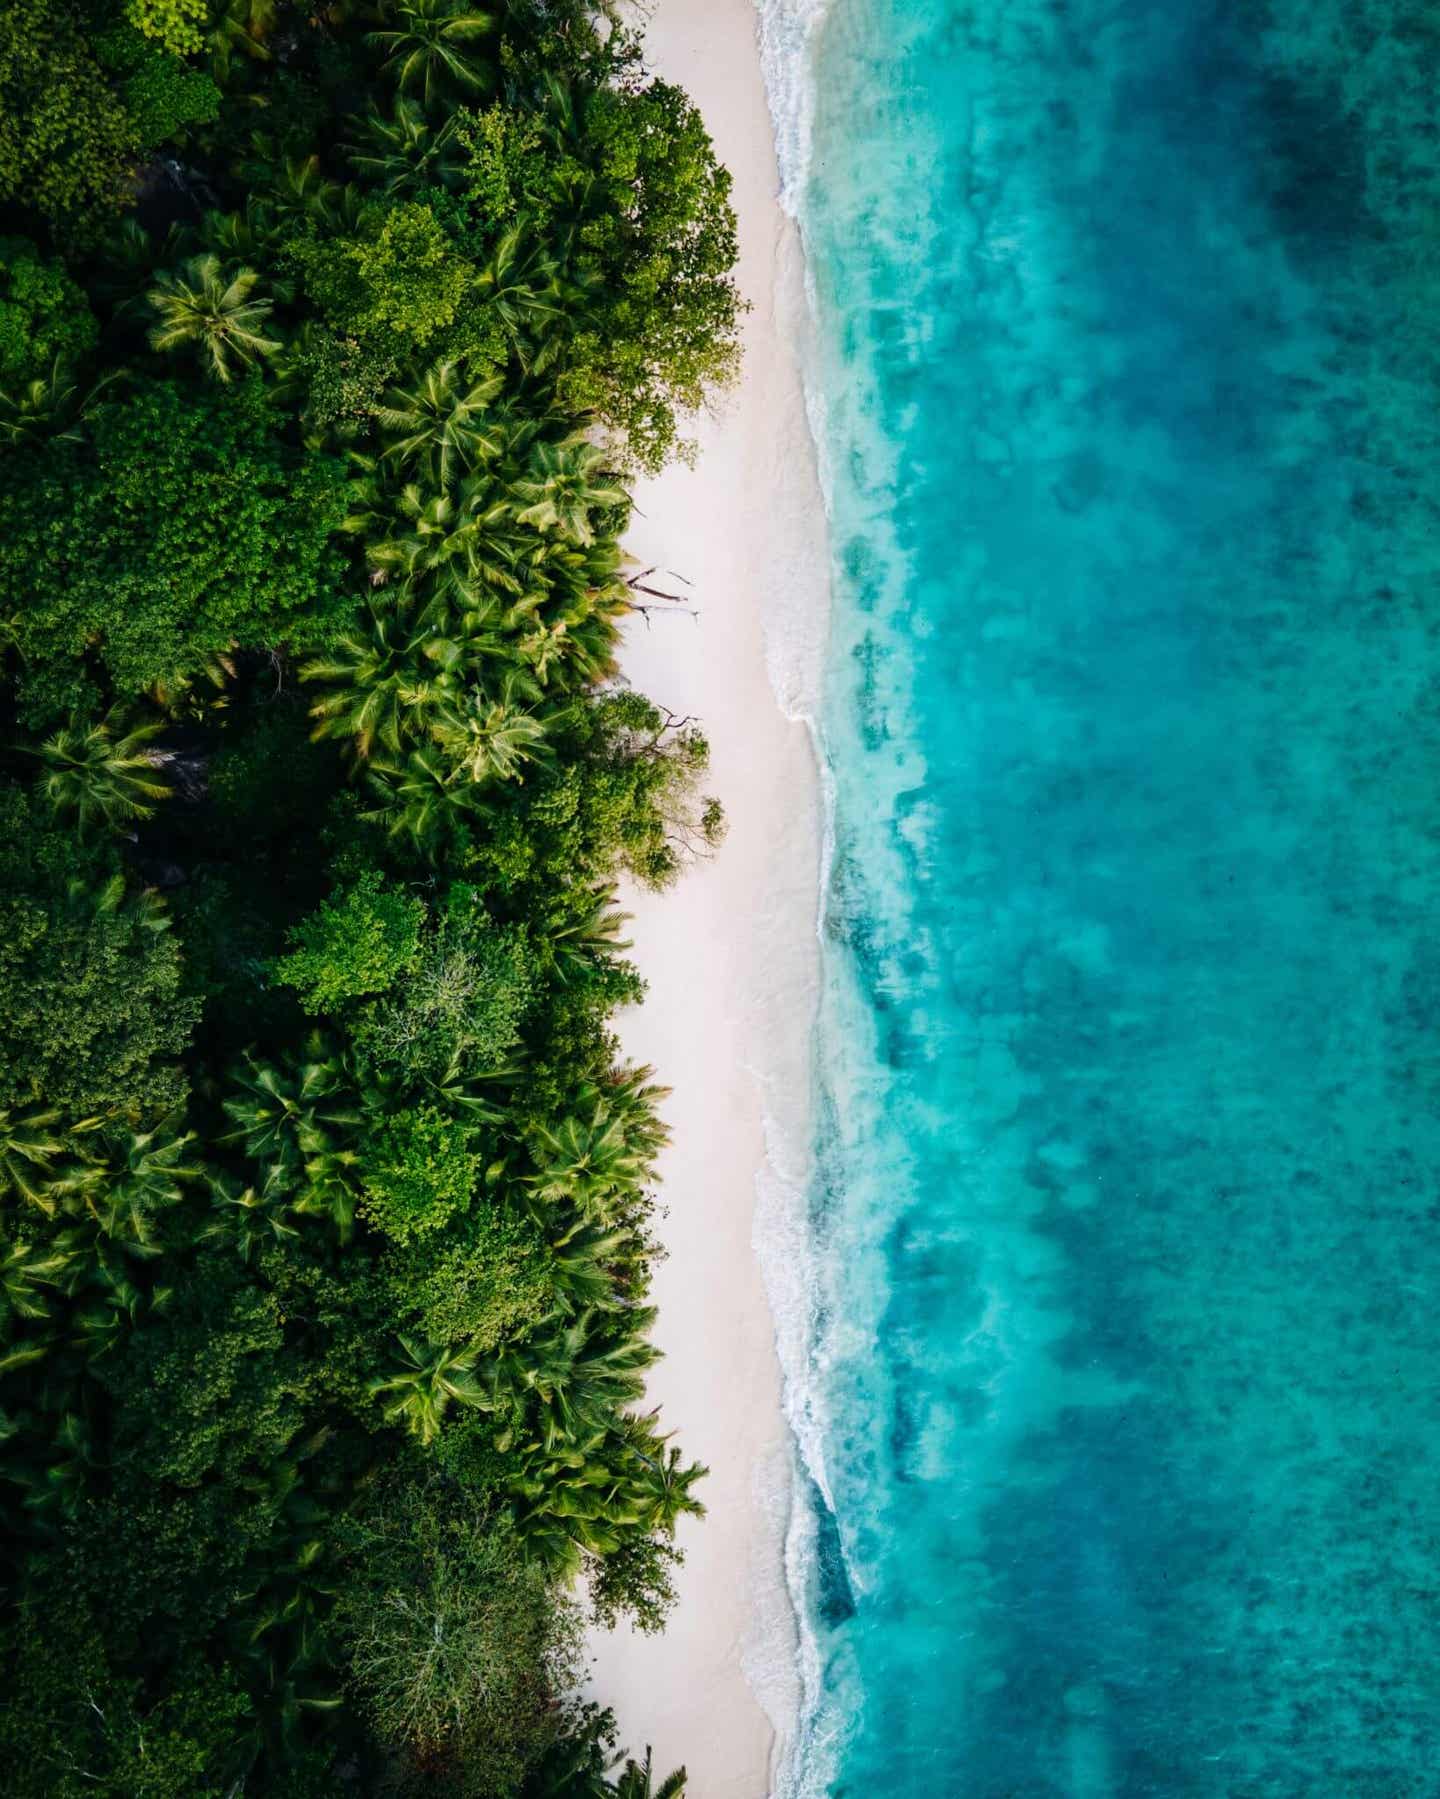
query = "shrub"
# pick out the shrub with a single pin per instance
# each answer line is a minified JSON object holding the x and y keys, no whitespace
{"x":418,"y":1173}
{"x":359,"y":942}
{"x":43,"y":313}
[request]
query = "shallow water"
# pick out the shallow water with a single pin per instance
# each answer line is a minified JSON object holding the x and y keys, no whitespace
{"x":1127,"y":1228}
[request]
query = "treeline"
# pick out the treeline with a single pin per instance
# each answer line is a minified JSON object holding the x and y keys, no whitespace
{"x":328,"y":341}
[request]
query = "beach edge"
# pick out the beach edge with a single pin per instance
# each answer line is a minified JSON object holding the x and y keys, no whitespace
{"x":731,"y":960}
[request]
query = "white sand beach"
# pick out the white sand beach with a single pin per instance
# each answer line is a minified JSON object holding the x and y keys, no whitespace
{"x":730,"y":957}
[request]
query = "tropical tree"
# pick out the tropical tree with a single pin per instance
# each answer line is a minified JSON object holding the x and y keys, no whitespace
{"x":330,"y":1188}
{"x":637,"y":1782}
{"x":432,"y":49}
{"x":254,"y":1216}
{"x":457,"y":1642}
{"x":201,"y":307}
{"x":407,"y":152}
{"x":292,"y":1111}
{"x":55,"y":404}
{"x":134,"y":1180}
{"x":593,"y":1160}
{"x":23,"y":1268}
{"x":373,"y":681}
{"x":106,"y":1320}
{"x":251,"y":234}
{"x":519,"y":283}
{"x":594,"y":930}
{"x":582,"y":1267}
{"x":431,"y":1377}
{"x":564,"y":485}
{"x":440,"y":426}
{"x":103,"y":774}
{"x":31,"y":1140}
{"x":488,"y":740}
{"x":419,"y":796}
{"x":580,"y":1378}
{"x":429,"y":531}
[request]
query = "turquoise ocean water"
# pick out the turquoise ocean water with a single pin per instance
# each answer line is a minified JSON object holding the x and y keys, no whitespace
{"x":1125,"y":1425}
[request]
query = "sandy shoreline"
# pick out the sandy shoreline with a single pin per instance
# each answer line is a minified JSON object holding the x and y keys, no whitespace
{"x":730,"y":957}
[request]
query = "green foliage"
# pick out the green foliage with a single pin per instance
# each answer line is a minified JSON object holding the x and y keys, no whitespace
{"x":159,"y":92}
{"x":427,"y":1380}
{"x":66,"y":138}
{"x":433,"y":48}
{"x":181,"y":526}
{"x":72,"y":1726}
{"x":177,"y":24}
{"x":43,"y":313}
{"x":91,"y":990}
{"x":491,"y":1278}
{"x":418,"y":1172}
{"x":397,"y":280}
{"x":263,"y":778}
{"x":213,"y":1393}
{"x":462,"y":1000}
{"x":103,"y":775}
{"x":358,"y":943}
{"x":324,"y":1333}
{"x":638,"y":1782}
{"x":659,"y":244}
{"x":79,"y":104}
{"x":456,"y":1641}
{"x":506,"y":166}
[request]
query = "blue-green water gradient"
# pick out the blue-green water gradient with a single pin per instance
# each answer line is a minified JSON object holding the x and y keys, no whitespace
{"x":1129,"y":1209}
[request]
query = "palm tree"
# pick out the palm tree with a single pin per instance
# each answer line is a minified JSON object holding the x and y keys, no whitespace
{"x":66,"y":1478}
{"x":587,"y":1161}
{"x":240,"y":25}
{"x":636,"y":1782}
{"x":330,"y":1189}
{"x":580,"y":1381}
{"x":439,"y":424}
{"x":22,"y":1268}
{"x":418,"y":796}
{"x":471,"y":1092}
{"x":52,"y":405}
{"x":406,"y":152}
{"x":135,"y":1180}
{"x":592,"y":1497}
{"x":634,"y":1097}
{"x":590,"y":934}
{"x":661,"y":1485}
{"x":563,"y":486}
{"x":297,"y":1598}
{"x":431,"y":49}
{"x":489,"y":740}
{"x":30,"y":1141}
{"x":520,"y":284}
{"x":581,"y":1264}
{"x":111,"y":1316}
{"x":584,"y":635}
{"x":252,"y":1217}
{"x":291,"y":1111}
{"x":433,"y":1376}
{"x":201,"y":306}
{"x":304,"y":195}
{"x":569,"y":1504}
{"x":433,"y":531}
{"x":103,"y":775}
{"x":251,"y":235}
{"x":372,"y":684}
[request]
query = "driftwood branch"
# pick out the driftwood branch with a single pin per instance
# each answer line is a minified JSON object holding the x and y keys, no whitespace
{"x":638,"y":584}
